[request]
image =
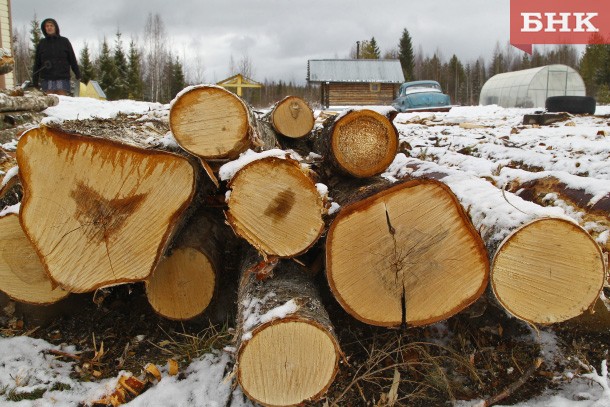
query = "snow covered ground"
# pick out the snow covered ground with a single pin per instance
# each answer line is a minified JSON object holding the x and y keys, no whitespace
{"x":580,"y":146}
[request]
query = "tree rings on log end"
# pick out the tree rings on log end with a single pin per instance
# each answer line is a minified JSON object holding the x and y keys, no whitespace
{"x":182,"y":285}
{"x":21,"y":272}
{"x":287,"y":362}
{"x":292,"y":117}
{"x":548,"y":271}
{"x":99,"y":212}
{"x":364,"y":143}
{"x":407,"y":255}
{"x":210,"y":122}
{"x":276,"y":207}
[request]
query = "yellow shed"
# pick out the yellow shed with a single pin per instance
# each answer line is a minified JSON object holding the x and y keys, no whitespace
{"x":92,"y":90}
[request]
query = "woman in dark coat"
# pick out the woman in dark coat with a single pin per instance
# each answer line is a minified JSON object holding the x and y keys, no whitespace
{"x":53,"y":60}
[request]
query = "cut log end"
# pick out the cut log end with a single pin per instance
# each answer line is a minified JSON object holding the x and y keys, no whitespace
{"x":276,"y":207}
{"x":548,"y":271}
{"x":407,"y":255}
{"x":182,"y":285}
{"x":21,"y":272}
{"x":101,"y":227}
{"x":287,"y":363}
{"x":364,"y":143}
{"x":210,"y":122}
{"x":293,"y":118}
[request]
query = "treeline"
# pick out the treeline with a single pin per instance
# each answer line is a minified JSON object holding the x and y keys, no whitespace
{"x":149,"y":71}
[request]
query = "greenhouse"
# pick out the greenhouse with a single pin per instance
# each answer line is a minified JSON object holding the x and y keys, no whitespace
{"x":531,"y":87}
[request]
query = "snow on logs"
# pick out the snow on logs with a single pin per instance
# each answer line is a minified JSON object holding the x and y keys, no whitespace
{"x":360,"y":143}
{"x":545,"y":268}
{"x":21,"y":272}
{"x":275,"y":206}
{"x":404,"y":255}
{"x":99,"y":212}
{"x":287,"y":352}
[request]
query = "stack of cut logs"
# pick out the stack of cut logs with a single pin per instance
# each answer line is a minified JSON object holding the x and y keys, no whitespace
{"x":98,"y":212}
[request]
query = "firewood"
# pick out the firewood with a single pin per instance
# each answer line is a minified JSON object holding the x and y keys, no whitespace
{"x":185,"y":280}
{"x":30,"y":101}
{"x":22,"y":276}
{"x":545,"y":268}
{"x":276,"y":207}
{"x":99,"y":212}
{"x":287,"y":351}
{"x":406,"y":255}
{"x":359,"y":143}
{"x":291,"y":117}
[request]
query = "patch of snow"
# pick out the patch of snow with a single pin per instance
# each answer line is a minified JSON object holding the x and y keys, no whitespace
{"x":12,"y":209}
{"x":228,"y":170}
{"x":10,"y":174}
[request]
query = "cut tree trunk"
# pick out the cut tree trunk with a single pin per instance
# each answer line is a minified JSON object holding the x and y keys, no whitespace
{"x":213,"y":123}
{"x":291,"y":117}
{"x":185,"y":280}
{"x":287,"y":352}
{"x":98,"y":212}
{"x":545,"y":268}
{"x":22,"y":275}
{"x":359,"y":143}
{"x":407,"y":255}
{"x":29,"y":101}
{"x":276,"y":207}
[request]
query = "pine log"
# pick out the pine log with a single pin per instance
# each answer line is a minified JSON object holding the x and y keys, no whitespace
{"x":291,"y":117}
{"x":406,"y":255}
{"x":359,"y":143}
{"x":99,"y":212}
{"x":287,"y":351}
{"x":22,"y":276}
{"x":186,"y":279}
{"x":545,"y":268}
{"x":276,"y":207}
{"x":213,"y":123}
{"x":29,"y":101}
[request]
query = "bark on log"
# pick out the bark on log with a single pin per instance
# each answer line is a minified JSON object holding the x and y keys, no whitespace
{"x":213,"y":123}
{"x":22,"y":275}
{"x":276,"y":207}
{"x":98,"y":212}
{"x":545,"y":268}
{"x":184,"y":282}
{"x":28,"y":101}
{"x":287,"y":352}
{"x":360,"y":143}
{"x":407,"y":255}
{"x":291,"y":117}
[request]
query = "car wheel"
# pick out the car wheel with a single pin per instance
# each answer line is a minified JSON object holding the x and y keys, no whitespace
{"x":571,"y":104}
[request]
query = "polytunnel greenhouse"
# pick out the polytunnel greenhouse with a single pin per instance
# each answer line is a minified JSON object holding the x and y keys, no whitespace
{"x":531,"y":87}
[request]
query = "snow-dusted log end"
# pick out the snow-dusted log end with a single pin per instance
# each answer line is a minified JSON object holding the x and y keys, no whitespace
{"x":546,"y":268}
{"x":406,"y":255}
{"x":99,"y":212}
{"x":21,"y":272}
{"x":276,"y":207}
{"x":211,"y":122}
{"x":287,"y":350}
{"x":292,"y":117}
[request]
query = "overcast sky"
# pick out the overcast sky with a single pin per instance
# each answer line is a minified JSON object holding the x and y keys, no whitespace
{"x":278,"y":36}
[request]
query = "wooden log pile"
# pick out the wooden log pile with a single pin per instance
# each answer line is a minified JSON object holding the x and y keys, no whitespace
{"x":103,"y":206}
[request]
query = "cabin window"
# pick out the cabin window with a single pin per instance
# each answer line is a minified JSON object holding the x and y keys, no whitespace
{"x":375,"y":87}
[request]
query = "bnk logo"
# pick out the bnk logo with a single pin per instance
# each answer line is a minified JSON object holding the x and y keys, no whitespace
{"x":559,"y":22}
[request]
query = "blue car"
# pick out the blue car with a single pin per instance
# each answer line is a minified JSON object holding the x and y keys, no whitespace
{"x":422,"y":96}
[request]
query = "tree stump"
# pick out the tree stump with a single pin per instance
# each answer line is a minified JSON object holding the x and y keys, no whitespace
{"x":99,"y":212}
{"x":287,"y":352}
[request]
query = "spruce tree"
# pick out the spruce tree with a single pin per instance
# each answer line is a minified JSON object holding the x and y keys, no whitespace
{"x":177,"y":78}
{"x":134,"y":73}
{"x":35,"y":37}
{"x":107,"y":72}
{"x":405,"y":55}
{"x":87,"y":71}
{"x":121,"y":89}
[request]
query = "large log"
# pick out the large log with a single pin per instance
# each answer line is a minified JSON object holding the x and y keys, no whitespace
{"x":406,"y":255}
{"x":275,"y":205}
{"x":22,"y":276}
{"x":287,"y":352}
{"x":186,"y":279}
{"x":28,"y":102}
{"x":99,"y":212}
{"x":545,"y":268}
{"x":359,"y":143}
{"x":291,"y":117}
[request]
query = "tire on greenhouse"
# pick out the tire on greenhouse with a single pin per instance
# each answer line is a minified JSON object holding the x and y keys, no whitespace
{"x":571,"y":104}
